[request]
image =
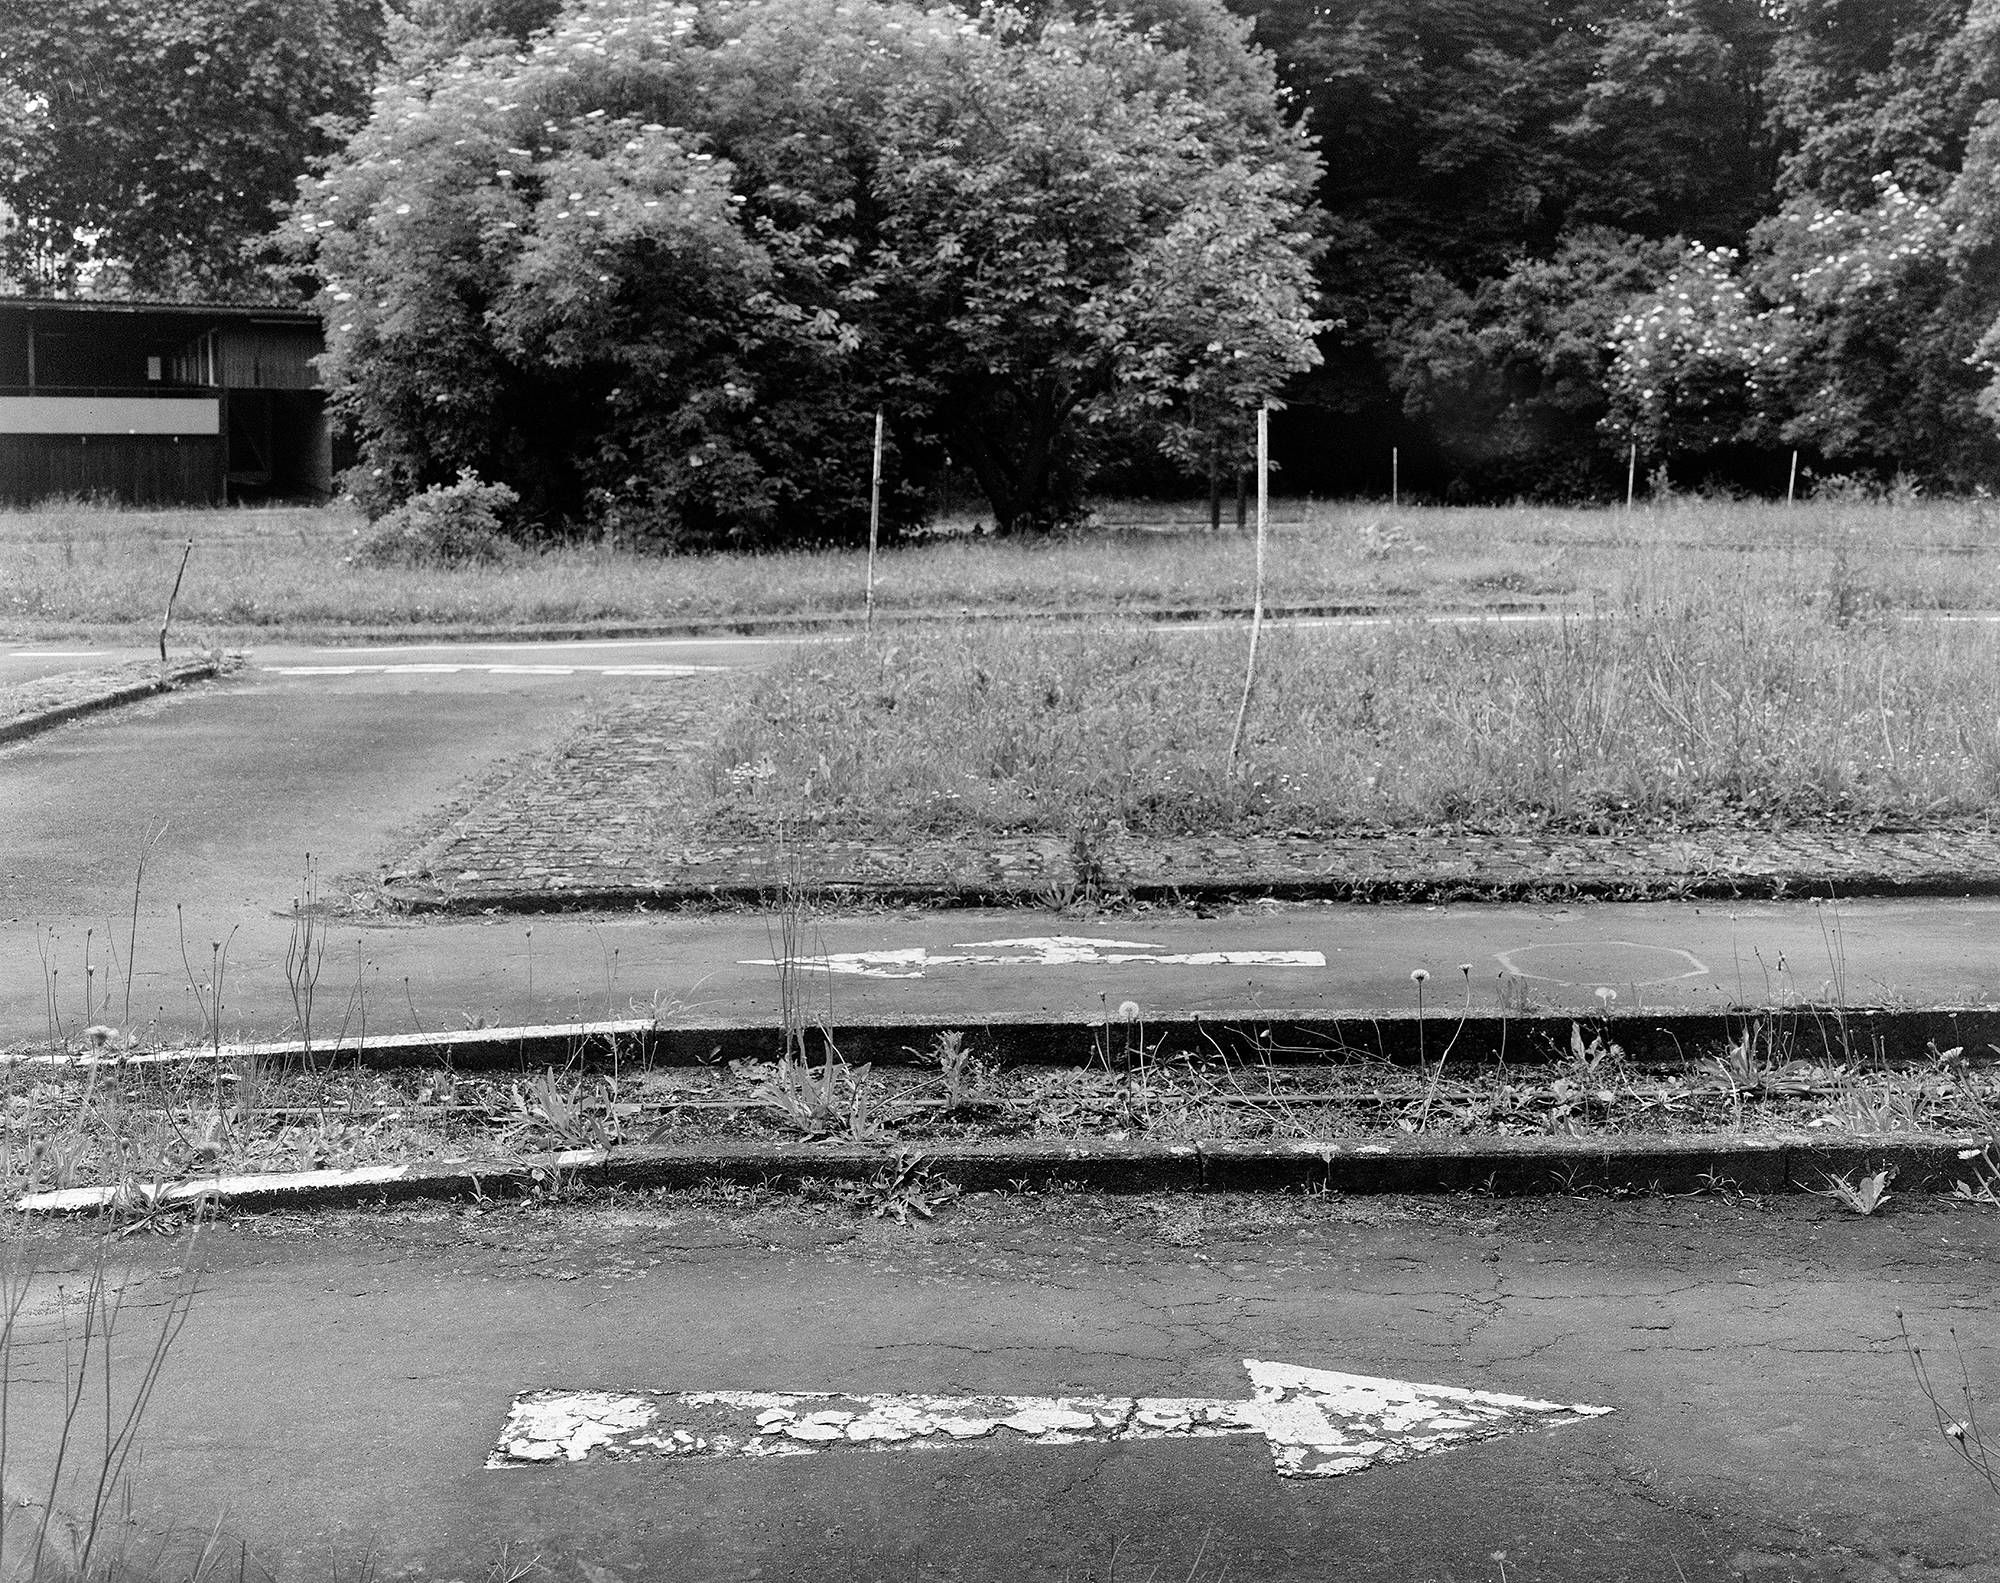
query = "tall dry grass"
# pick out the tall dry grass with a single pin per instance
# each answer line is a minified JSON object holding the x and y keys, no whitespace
{"x":80,"y":569}
{"x":1779,"y":690}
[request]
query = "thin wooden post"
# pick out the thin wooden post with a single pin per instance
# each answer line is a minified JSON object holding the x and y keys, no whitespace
{"x":167,"y":620}
{"x":1631,"y":473}
{"x":1257,"y":592}
{"x":1792,"y":485}
{"x":1395,"y":476}
{"x":874,"y":519}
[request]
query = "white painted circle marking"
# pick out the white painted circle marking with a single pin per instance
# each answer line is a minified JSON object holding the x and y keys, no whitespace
{"x":1583,"y":952}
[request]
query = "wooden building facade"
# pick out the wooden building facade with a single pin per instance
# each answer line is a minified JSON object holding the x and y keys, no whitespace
{"x":160,"y":403}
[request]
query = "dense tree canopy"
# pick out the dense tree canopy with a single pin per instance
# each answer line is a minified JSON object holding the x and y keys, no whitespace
{"x":656,"y":269}
{"x":143,"y":145}
{"x":1054,"y":236}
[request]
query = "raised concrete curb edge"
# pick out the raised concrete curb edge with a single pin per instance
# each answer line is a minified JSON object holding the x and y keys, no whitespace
{"x":176,"y":673}
{"x":1808,"y":1031}
{"x":1190,"y":890}
{"x":1500,"y":1166}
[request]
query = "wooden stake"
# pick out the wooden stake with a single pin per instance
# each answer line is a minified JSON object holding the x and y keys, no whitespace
{"x":1631,"y":473}
{"x":1792,"y":487}
{"x":1395,"y":476}
{"x":874,"y":520}
{"x":167,"y":620}
{"x":1257,"y":592}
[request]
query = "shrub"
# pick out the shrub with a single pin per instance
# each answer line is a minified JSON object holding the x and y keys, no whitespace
{"x":447,"y":525}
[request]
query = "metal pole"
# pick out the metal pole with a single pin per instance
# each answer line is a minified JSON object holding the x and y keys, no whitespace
{"x":1631,"y":473}
{"x":1792,"y":486}
{"x":874,"y":518}
{"x":1395,"y":476}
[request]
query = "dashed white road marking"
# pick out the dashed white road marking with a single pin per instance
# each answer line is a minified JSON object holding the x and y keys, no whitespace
{"x":493,"y":669}
{"x":57,"y":654}
{"x":1318,"y":1423}
{"x":1053,"y":950}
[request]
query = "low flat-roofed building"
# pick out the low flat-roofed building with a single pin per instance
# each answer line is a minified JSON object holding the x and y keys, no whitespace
{"x":157,"y":403}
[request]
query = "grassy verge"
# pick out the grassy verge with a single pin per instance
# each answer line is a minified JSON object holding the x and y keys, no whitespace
{"x":138,"y":1127}
{"x":74,"y":570}
{"x":1687,"y":701}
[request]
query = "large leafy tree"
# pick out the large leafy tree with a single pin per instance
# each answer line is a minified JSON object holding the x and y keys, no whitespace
{"x":655,"y":270}
{"x":146,"y":146}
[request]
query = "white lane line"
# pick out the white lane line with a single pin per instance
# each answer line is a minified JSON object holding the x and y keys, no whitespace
{"x":1054,"y":950}
{"x":1317,"y":1423}
{"x":495,"y":669}
{"x":545,"y":646}
{"x":58,"y":654}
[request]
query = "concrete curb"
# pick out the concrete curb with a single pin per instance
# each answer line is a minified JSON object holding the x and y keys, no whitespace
{"x":1400,"y":1164}
{"x":854,"y":620}
{"x":174,"y":674}
{"x":1283,"y":1038}
{"x":1417,"y":889}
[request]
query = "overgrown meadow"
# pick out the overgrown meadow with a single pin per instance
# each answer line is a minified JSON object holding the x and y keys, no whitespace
{"x":1688,"y":662}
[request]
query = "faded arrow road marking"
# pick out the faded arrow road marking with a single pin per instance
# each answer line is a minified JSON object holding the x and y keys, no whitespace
{"x":1318,"y":1423}
{"x":1050,"y":950}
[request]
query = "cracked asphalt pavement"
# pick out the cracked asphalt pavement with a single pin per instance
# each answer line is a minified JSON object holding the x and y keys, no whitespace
{"x":340,"y":1384}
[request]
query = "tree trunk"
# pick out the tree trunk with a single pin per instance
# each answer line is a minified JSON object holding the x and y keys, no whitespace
{"x":1242,"y":499}
{"x":1214,"y":494}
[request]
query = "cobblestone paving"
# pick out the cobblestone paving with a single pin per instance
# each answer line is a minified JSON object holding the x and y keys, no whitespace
{"x":598,"y":821}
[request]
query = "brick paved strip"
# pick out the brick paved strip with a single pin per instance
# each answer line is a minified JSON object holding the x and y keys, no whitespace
{"x":30,"y":707}
{"x":605,"y":822}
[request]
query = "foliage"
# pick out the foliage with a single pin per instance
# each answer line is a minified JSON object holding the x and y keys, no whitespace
{"x":1699,"y":364}
{"x":657,"y":269}
{"x":1510,"y":377}
{"x":144,"y":147}
{"x":461,"y":524}
{"x":1868,"y":89}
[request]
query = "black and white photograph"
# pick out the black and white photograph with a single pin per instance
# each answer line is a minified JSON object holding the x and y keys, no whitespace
{"x":999,"y":791}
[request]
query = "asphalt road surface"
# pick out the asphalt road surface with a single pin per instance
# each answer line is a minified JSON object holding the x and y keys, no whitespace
{"x":229,"y":786}
{"x":339,"y":1388}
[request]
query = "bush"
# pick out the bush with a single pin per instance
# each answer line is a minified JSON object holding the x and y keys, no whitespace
{"x":447,"y":525}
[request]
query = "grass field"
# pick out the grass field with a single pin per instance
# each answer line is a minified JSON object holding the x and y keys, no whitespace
{"x":1696,"y":662}
{"x":76,"y":571}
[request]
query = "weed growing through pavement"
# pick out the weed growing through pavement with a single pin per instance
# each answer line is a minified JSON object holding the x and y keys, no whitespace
{"x":907,"y":1187}
{"x":68,"y":1515}
{"x":305,"y":951}
{"x":1865,"y":1196}
{"x":968,"y":1081}
{"x":1958,"y":1419}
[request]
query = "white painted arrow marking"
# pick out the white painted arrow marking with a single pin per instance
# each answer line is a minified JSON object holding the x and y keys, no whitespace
{"x":1041,"y":950}
{"x":1318,"y":1423}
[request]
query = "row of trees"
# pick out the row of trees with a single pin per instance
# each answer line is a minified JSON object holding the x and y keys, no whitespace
{"x":1710,"y":227}
{"x":1087,"y":231}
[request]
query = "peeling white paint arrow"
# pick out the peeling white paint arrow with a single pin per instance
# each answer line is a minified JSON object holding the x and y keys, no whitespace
{"x":1047,"y":950}
{"x":1319,"y":1424}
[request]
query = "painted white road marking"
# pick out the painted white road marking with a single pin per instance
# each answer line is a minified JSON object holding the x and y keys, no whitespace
{"x":1053,"y":950}
{"x":1318,"y":1423}
{"x":58,"y":654}
{"x":494,"y":669}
